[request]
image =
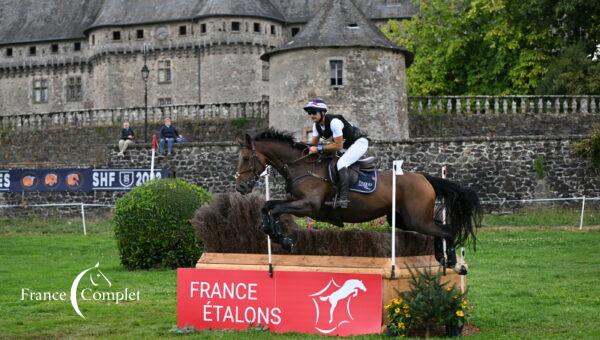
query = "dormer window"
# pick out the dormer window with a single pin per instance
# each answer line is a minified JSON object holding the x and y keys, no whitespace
{"x":257,"y":27}
{"x":77,"y":46}
{"x":9,"y":52}
{"x":182,"y":30}
{"x":116,"y":35}
{"x":273,"y":31}
{"x":139,"y":34}
{"x":202,"y":28}
{"x":235,"y":26}
{"x":295,"y":31}
{"x":54,"y":48}
{"x":353,"y":26}
{"x":32,"y":50}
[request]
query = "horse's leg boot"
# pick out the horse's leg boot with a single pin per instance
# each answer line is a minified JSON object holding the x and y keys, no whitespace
{"x":279,"y":237}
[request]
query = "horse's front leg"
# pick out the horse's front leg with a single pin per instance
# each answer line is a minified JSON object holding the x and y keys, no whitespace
{"x":298,"y":208}
{"x":267,"y":220}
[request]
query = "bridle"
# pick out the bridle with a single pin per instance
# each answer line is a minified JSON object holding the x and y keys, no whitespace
{"x":254,"y":160}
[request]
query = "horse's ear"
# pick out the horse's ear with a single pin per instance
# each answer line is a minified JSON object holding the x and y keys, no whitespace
{"x":248,"y":140}
{"x":241,"y":141}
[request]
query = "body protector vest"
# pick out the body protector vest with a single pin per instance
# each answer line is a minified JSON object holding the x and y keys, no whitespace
{"x":351,"y":133}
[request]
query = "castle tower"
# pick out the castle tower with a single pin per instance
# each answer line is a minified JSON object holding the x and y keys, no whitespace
{"x":342,"y":57}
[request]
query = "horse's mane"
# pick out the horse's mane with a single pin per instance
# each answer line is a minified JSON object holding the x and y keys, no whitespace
{"x":272,"y":134}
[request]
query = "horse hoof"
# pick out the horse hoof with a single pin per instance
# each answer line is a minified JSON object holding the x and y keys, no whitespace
{"x":460,"y":269}
{"x":287,"y":244}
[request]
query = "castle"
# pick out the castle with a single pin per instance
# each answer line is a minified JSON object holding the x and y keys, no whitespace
{"x":60,"y":55}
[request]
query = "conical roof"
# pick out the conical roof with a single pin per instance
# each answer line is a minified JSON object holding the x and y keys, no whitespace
{"x":339,"y":23}
{"x":246,"y":8}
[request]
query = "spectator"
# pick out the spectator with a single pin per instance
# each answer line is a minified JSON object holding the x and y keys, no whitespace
{"x":168,"y":133}
{"x":127,"y":138}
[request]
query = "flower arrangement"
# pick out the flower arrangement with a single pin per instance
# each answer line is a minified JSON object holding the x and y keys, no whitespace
{"x":399,"y":318}
{"x":430,"y":305}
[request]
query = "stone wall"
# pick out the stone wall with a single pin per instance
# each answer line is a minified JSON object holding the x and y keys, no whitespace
{"x":497,"y":168}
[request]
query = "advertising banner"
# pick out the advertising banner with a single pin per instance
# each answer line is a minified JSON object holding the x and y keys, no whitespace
{"x":36,"y":180}
{"x":308,"y":302}
{"x":122,"y":179}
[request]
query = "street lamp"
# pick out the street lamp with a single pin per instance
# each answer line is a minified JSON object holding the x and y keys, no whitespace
{"x":145,"y":74}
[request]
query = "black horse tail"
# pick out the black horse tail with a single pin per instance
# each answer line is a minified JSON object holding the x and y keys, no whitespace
{"x":463,"y":209}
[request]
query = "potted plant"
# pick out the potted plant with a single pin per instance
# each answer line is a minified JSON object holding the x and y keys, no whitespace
{"x":428,"y":308}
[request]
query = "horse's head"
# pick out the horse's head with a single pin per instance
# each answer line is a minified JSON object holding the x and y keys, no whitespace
{"x":250,"y":165}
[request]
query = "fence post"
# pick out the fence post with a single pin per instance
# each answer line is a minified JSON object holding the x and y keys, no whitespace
{"x":83,"y":219}
{"x":268,"y":197}
{"x":582,"y":211}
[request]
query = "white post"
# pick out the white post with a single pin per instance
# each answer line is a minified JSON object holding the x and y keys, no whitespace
{"x":582,"y":211}
{"x":396,"y":170}
{"x":83,"y":219}
{"x":462,"y":277}
{"x":268,"y":197}
{"x":444,"y":246}
{"x":152,"y":165}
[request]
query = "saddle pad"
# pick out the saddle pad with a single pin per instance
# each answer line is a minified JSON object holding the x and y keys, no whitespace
{"x":366,"y":183}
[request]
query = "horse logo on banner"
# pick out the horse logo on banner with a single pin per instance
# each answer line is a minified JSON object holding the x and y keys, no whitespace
{"x":332,"y":304}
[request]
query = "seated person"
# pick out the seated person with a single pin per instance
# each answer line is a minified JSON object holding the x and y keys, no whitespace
{"x":168,"y":133}
{"x":127,"y":138}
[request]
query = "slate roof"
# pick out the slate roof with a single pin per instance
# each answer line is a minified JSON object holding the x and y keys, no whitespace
{"x":339,"y":23}
{"x":26,"y":21}
{"x":45,"y":20}
{"x":248,"y":8}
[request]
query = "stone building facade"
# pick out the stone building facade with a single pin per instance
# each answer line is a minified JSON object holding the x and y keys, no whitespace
{"x":64,"y":55}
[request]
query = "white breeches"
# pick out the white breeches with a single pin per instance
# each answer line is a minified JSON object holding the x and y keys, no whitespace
{"x":354,"y":153}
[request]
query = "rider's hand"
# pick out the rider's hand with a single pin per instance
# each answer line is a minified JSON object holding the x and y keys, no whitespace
{"x":312,"y":149}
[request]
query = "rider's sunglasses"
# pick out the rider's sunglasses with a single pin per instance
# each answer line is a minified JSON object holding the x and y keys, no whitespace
{"x":311,"y":112}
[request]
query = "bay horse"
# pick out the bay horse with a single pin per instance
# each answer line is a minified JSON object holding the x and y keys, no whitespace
{"x":308,"y":187}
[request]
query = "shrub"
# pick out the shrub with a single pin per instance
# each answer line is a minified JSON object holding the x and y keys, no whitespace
{"x":152,"y":224}
{"x":589,"y":148}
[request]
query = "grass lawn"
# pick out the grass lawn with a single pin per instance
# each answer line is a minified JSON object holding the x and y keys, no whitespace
{"x":526,"y":282}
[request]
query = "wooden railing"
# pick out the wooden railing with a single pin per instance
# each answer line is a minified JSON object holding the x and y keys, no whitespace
{"x":503,"y":105}
{"x":104,"y":117}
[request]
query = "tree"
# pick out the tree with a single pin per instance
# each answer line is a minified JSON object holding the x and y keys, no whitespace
{"x":490,"y":46}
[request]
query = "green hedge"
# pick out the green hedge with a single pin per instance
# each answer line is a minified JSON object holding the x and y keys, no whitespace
{"x":152,"y":225}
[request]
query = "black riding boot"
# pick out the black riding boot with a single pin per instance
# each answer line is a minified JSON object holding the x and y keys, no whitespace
{"x":342,"y":200}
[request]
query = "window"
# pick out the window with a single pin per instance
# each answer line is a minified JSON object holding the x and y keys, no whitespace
{"x":164,"y":71}
{"x":93,"y":39}
{"x":54,"y":48}
{"x":273,"y":29}
{"x":74,"y":89}
{"x":256,"y":27}
{"x":265,"y":71}
{"x":32,"y":50}
{"x":77,"y":46}
{"x":9,"y":52}
{"x":182,"y":30}
{"x":235,"y":26}
{"x":40,"y":91}
{"x":202,"y":28}
{"x":295,"y":31}
{"x":116,"y":35}
{"x":165,"y":101}
{"x":139,"y":34}
{"x":336,"y":75}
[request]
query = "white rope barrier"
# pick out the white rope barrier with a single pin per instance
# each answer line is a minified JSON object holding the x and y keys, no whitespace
{"x":397,"y":171}
{"x":265,"y":174}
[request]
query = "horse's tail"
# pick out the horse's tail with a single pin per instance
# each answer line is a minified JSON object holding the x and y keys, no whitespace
{"x":463,"y":208}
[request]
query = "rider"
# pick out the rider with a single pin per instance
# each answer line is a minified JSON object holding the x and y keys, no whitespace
{"x":345,"y":136}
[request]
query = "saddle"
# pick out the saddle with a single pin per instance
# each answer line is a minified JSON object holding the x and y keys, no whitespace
{"x":363,"y":174}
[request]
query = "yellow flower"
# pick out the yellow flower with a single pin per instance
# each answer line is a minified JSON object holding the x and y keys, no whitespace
{"x":460,"y":313}
{"x":407,"y":315}
{"x":397,"y":310}
{"x":387,"y":307}
{"x":449,"y":288}
{"x":401,"y":325}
